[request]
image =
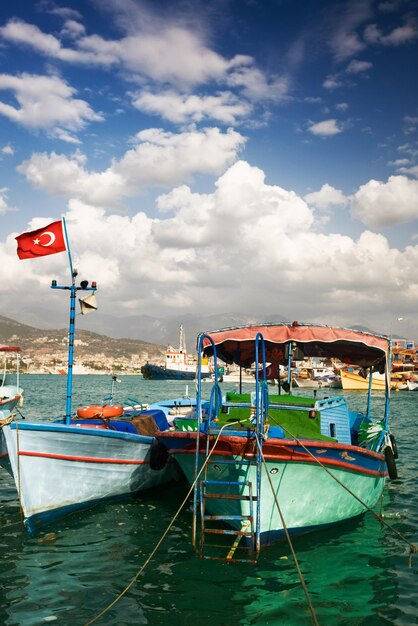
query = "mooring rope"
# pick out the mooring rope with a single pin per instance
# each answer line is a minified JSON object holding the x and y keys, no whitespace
{"x":4,"y":421}
{"x":289,"y":541}
{"x":412,"y":547}
{"x":163,"y":536}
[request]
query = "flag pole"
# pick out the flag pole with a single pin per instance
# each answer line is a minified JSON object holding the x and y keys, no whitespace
{"x":71,"y":331}
{"x":73,"y":291}
{"x":67,"y":245}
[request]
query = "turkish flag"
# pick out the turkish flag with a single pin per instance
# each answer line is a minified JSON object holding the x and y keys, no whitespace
{"x":47,"y":240}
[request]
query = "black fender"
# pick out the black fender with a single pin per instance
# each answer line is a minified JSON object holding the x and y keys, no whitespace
{"x":394,"y":446}
{"x":158,"y":456}
{"x":390,"y":462}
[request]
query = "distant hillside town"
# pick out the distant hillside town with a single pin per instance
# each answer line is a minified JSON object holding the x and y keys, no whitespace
{"x":46,"y":351}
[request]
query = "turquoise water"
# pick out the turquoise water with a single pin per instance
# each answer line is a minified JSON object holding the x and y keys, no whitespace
{"x":356,"y":574}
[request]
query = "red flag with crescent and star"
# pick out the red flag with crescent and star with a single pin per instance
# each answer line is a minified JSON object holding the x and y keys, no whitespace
{"x":47,"y":240}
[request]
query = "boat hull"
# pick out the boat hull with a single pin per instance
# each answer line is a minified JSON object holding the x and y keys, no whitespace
{"x":58,"y":468}
{"x":308,"y":496}
{"x":158,"y":372}
{"x":351,"y":381}
{"x":308,"y":383}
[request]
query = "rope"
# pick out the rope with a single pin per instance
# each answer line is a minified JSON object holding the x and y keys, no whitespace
{"x":160,"y":541}
{"x":299,"y":571}
{"x":412,"y":548}
{"x":4,"y":421}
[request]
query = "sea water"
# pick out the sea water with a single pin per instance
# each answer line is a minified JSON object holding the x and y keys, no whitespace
{"x":74,"y":569}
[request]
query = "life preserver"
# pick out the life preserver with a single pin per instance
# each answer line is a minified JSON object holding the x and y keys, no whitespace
{"x":390,"y":462}
{"x":158,"y":456}
{"x":95,"y":410}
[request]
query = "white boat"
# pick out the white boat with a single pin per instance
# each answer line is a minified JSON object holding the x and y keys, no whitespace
{"x":412,"y":385}
{"x":61,"y":467}
{"x":100,"y":453}
{"x":311,"y":383}
{"x":10,"y":395}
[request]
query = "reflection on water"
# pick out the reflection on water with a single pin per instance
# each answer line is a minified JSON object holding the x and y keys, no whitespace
{"x":356,"y":574}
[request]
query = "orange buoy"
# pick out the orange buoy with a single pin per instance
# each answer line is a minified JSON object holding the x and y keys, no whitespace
{"x":96,"y":411}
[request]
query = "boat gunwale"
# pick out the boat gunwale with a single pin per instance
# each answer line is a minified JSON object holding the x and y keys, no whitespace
{"x":82,"y":430}
{"x":276,"y":441}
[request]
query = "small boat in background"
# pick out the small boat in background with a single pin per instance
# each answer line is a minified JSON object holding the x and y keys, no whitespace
{"x":178,"y":364}
{"x":412,"y":385}
{"x":10,"y":395}
{"x":359,"y":381}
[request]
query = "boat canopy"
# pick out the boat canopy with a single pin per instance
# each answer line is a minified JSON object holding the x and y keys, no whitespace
{"x":236,"y":345}
{"x":9,"y":349}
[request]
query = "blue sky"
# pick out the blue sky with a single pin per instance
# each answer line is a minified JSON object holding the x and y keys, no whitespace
{"x":249,"y":156}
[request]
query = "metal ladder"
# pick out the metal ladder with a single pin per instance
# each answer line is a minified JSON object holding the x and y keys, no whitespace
{"x":229,"y":491}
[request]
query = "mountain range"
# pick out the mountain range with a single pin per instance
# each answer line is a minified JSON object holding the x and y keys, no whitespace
{"x":51,"y":342}
{"x":140,"y":331}
{"x":137,"y":334}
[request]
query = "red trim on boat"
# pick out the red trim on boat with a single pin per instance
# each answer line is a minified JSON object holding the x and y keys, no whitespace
{"x":84,"y":459}
{"x":305,"y":458}
{"x":7,"y":400}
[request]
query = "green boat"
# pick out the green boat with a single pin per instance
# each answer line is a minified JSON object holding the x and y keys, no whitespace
{"x":263,"y":466}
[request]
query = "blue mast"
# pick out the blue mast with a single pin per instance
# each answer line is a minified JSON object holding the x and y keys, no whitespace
{"x":73,"y":291}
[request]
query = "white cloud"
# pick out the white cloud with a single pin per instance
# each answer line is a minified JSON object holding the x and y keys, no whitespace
{"x":342,"y":106}
{"x":333,"y":81}
{"x":326,"y":128}
{"x":72,"y":29}
{"x":4,"y":205}
{"x":411,"y":124}
{"x":411,"y":171}
{"x":345,"y":41}
{"x":25,"y":34}
{"x":357,"y":67}
{"x":398,"y":36}
{"x":399,"y":162}
{"x":170,"y":54}
{"x":45,"y":102}
{"x":255,"y":85}
{"x":224,"y":248}
{"x":326,"y":198}
{"x":224,"y":107}
{"x":9,"y":150}
{"x":159,"y":158}
{"x":383,"y":204}
{"x":164,"y":52}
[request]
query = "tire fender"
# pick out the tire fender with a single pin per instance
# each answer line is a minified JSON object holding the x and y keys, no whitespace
{"x":390,"y":462}
{"x":158,"y":456}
